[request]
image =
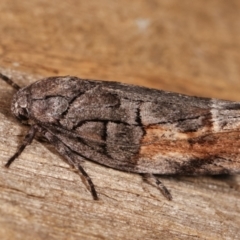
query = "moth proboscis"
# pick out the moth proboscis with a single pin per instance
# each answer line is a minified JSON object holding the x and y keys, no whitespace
{"x":130,"y":128}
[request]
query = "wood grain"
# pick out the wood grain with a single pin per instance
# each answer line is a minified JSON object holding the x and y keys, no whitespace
{"x":191,"y":48}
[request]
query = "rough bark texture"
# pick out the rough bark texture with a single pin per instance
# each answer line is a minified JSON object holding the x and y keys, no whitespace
{"x":172,"y":45}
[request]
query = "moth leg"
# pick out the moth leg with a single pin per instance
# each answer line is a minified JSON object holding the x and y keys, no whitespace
{"x":72,"y":159}
{"x":155,"y":181}
{"x":90,"y":183}
{"x":27,"y":140}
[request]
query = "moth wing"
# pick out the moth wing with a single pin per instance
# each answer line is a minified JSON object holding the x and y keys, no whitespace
{"x":139,"y":129}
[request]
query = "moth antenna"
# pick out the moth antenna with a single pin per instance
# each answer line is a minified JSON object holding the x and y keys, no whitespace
{"x":9,"y":81}
{"x":27,"y":140}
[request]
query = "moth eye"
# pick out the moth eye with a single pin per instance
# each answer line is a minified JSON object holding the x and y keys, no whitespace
{"x":23,"y":114}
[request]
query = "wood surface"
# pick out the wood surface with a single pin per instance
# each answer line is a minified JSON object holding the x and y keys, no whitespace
{"x":185,"y":46}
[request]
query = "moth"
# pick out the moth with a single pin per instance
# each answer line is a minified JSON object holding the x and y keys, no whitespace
{"x":130,"y":128}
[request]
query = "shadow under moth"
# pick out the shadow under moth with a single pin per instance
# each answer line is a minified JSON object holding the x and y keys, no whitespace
{"x":130,"y":128}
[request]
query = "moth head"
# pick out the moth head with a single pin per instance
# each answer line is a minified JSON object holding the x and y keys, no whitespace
{"x":20,"y":105}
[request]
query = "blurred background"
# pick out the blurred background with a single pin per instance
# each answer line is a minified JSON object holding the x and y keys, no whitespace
{"x":186,"y":46}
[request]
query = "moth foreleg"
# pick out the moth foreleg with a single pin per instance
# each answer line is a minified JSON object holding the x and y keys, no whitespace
{"x":72,"y":159}
{"x":155,"y":181}
{"x":27,"y":140}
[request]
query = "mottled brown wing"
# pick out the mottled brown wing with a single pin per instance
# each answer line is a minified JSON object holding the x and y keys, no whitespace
{"x":139,"y":129}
